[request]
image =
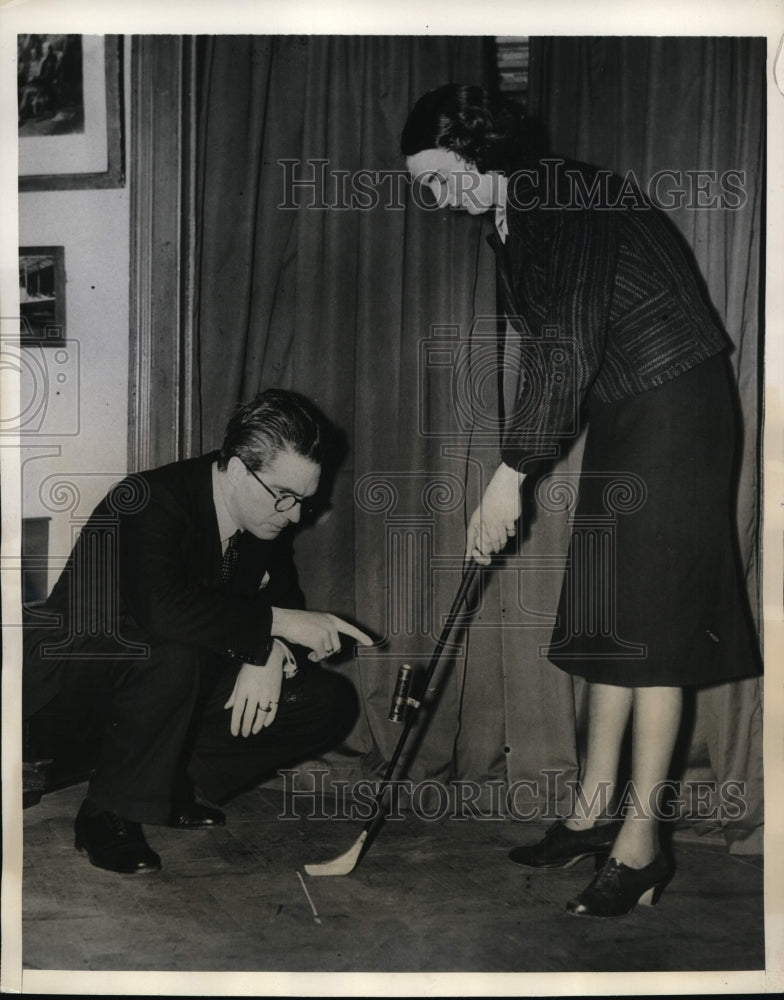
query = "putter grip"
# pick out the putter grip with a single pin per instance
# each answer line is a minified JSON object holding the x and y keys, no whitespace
{"x":397,"y":710}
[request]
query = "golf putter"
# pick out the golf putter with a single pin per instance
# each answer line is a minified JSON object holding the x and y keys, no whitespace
{"x":347,"y":862}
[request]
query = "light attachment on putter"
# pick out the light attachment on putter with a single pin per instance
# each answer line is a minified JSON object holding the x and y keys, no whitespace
{"x":400,"y":699}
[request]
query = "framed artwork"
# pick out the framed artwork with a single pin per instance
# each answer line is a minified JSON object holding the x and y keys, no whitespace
{"x":69,"y":112}
{"x":42,"y":296}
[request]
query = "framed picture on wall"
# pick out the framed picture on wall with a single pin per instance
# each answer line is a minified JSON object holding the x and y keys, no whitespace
{"x":69,"y":112}
{"x":42,"y":296}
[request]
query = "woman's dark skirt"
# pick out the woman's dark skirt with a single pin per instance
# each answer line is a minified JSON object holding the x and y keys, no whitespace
{"x":652,"y":593}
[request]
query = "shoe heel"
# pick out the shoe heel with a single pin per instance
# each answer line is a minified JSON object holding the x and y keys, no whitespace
{"x":651,"y":896}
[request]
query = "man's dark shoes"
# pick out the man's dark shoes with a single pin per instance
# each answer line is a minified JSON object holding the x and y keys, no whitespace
{"x":196,"y":816}
{"x":113,"y":843}
{"x":562,"y":847}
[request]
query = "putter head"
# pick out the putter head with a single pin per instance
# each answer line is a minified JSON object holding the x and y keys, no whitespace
{"x":342,"y":865}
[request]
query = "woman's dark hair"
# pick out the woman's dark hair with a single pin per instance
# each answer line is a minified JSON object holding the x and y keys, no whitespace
{"x":273,"y":421}
{"x":491,"y":134}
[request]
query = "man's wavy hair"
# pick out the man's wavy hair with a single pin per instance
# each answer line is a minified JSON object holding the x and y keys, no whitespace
{"x":275,"y":420}
{"x":489,"y":133}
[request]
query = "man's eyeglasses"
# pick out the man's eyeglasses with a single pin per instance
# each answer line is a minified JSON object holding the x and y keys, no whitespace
{"x":284,"y":501}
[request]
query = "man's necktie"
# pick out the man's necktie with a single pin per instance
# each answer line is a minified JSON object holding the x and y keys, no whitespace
{"x":230,"y":557}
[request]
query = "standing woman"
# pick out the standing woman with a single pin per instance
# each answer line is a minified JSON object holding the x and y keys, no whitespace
{"x":583,"y":259}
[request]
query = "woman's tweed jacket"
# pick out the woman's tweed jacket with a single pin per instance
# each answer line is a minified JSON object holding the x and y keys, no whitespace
{"x":604,"y":295}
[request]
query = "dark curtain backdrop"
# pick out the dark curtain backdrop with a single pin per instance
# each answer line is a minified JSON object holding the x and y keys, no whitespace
{"x":369,"y":311}
{"x":338,"y":303}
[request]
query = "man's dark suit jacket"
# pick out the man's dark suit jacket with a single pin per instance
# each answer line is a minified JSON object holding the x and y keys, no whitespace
{"x":146,"y":569}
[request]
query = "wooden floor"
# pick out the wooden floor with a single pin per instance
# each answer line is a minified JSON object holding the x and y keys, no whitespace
{"x":427,"y":897}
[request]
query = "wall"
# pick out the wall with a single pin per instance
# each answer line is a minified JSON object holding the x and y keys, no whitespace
{"x":79,"y":394}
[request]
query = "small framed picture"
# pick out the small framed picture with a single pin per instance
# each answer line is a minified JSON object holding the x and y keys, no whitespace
{"x":69,"y":112}
{"x":42,"y":296}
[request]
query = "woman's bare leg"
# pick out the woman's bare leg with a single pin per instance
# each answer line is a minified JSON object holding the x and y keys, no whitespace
{"x":655,"y":725}
{"x":609,"y":707}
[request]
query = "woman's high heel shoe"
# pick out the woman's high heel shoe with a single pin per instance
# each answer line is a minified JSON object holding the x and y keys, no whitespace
{"x":562,"y":847}
{"x":616,"y":889}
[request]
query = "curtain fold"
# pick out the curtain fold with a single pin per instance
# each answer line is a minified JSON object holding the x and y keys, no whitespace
{"x":686,"y":116}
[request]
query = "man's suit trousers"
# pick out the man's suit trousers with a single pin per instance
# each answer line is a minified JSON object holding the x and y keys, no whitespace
{"x":160,"y":719}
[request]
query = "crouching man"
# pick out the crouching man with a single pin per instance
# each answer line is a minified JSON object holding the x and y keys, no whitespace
{"x":177,"y":631}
